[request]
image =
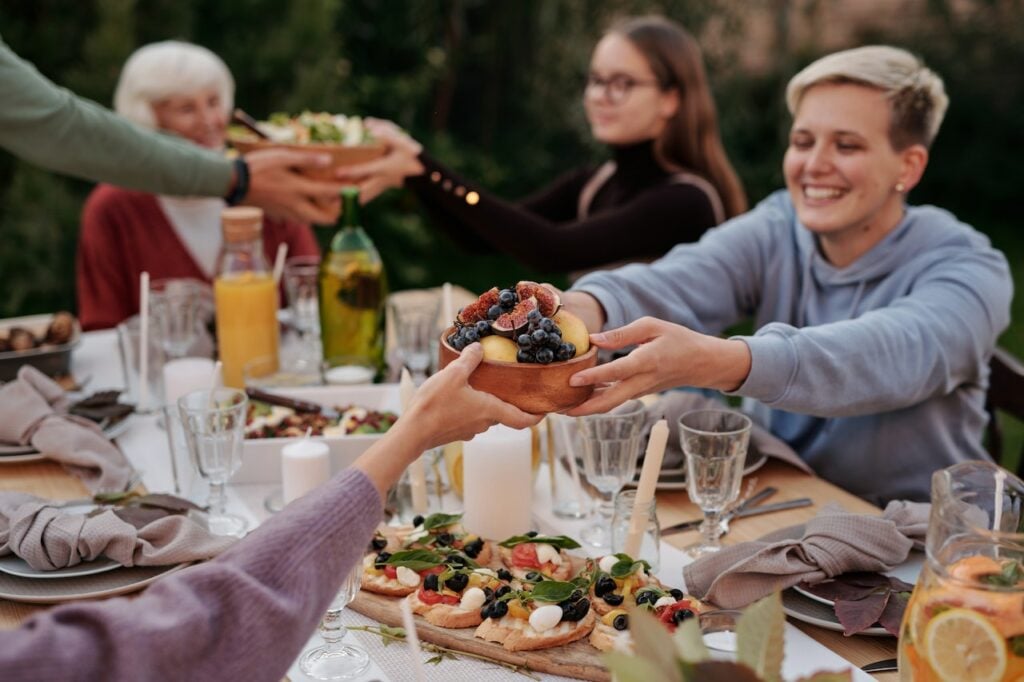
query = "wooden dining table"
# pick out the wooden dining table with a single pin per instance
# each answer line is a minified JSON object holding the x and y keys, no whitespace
{"x":48,"y":479}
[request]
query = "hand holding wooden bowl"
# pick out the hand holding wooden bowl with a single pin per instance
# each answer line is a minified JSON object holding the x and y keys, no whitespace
{"x":531,"y":347}
{"x":341,"y":155}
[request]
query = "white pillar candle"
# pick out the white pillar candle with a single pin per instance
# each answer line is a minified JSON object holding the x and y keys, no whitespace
{"x":305,"y":464}
{"x":184,"y":375}
{"x":497,"y":483}
{"x":349,"y":374}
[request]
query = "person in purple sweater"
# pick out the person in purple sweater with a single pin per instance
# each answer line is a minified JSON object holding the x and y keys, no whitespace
{"x":247,"y":614}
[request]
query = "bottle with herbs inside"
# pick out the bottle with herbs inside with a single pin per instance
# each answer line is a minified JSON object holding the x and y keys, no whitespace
{"x":244,"y":295}
{"x":353,"y":291}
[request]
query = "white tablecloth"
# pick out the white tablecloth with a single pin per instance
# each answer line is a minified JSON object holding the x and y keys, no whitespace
{"x":145,"y":444}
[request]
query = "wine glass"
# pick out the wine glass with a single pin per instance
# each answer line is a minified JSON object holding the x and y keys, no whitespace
{"x":414,"y":315}
{"x":176,"y":306}
{"x":611,"y":446}
{"x":715,"y":445}
{"x":214,"y":424}
{"x":334,"y":660}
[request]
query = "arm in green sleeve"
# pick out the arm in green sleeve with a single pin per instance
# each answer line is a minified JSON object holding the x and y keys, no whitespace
{"x":49,"y":126}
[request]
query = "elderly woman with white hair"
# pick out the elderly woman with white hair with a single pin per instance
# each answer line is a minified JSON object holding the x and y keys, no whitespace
{"x":185,"y":90}
{"x":875,"y":319}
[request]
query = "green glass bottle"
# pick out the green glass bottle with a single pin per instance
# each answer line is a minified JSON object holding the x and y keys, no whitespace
{"x":353,"y":292}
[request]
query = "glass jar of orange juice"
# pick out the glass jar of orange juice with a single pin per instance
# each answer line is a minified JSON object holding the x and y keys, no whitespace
{"x":965,"y":619}
{"x":244,"y":295}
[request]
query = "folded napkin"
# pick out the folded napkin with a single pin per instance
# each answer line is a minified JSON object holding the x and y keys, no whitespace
{"x":674,"y":404}
{"x":49,"y":538}
{"x":31,"y":414}
{"x":832,"y":543}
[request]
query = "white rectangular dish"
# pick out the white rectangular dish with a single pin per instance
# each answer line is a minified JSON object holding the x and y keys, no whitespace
{"x":261,"y":457}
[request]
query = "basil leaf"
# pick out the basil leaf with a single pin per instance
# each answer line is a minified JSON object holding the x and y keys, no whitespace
{"x":1017,"y":645}
{"x":627,"y":566}
{"x":559,"y":541}
{"x":440,"y":520}
{"x":552,"y":591}
{"x":1008,"y":577}
{"x":415,"y":559}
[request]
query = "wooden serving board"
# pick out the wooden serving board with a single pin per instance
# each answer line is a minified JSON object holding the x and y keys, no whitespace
{"x":578,"y":659}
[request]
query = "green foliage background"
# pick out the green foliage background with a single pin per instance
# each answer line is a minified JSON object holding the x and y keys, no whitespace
{"x":493,"y":88}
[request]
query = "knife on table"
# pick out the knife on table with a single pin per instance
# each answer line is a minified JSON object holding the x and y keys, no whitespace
{"x":301,"y":406}
{"x":694,"y":524}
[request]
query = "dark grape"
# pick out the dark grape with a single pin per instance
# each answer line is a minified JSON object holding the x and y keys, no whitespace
{"x":545,"y":356}
{"x":524,"y":341}
{"x":547,"y":324}
{"x":524,"y":356}
{"x":494,"y":312}
{"x":554,"y":342}
{"x":507,"y":299}
{"x":539,"y":336}
{"x":483,"y":328}
{"x":534,"y":315}
{"x":459,"y":343}
{"x":564,"y":352}
{"x":470,"y":335}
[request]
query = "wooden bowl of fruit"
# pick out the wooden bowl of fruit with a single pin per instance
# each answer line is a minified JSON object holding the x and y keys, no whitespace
{"x":531,"y":347}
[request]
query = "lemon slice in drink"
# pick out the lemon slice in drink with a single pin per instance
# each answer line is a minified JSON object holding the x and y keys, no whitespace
{"x":962,"y":645}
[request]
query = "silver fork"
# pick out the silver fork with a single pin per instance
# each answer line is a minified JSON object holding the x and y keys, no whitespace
{"x":747,"y":501}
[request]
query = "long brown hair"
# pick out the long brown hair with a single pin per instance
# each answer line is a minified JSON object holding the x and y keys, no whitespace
{"x":691,"y":140}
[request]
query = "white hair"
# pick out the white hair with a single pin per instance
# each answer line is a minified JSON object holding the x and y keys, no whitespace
{"x":161,"y":70}
{"x":916,"y":92}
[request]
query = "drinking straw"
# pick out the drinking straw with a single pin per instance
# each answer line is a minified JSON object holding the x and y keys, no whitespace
{"x":645,"y":489}
{"x":143,"y":340}
{"x":417,"y":474}
{"x":414,"y":642}
{"x":573,"y":469}
{"x":282,"y":253}
{"x":216,"y":381}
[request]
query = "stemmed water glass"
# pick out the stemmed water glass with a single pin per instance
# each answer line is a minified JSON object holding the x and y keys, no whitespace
{"x":715,"y":445}
{"x":214,"y":424}
{"x":611,"y":446}
{"x":334,"y":660}
{"x":301,"y":277}
{"x":414,"y":318}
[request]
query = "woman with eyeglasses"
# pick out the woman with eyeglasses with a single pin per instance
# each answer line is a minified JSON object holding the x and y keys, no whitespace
{"x":668,"y":181}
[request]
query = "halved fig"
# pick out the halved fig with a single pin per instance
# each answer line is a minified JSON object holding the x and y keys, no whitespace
{"x":548,"y":300}
{"x":477,"y":310}
{"x":511,"y":323}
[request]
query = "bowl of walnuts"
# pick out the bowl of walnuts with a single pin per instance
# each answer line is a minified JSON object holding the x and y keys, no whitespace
{"x":43,"y":341}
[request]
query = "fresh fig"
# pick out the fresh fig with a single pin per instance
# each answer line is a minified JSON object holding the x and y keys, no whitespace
{"x":548,"y":300}
{"x":511,"y":323}
{"x":477,"y":310}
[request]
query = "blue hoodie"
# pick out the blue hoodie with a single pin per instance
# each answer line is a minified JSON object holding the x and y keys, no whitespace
{"x":874,"y":373}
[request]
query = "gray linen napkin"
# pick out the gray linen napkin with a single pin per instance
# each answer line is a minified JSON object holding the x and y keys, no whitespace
{"x":673,"y":404}
{"x":49,"y":538}
{"x":30,"y":414}
{"x":832,"y":543}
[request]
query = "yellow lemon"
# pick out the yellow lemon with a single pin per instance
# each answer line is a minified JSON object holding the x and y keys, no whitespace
{"x":962,"y":645}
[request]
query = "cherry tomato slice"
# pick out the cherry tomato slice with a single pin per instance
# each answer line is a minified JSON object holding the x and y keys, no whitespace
{"x":525,"y":556}
{"x":431,"y":597}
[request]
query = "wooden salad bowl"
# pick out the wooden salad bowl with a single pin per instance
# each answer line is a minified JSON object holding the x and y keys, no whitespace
{"x":537,"y":389}
{"x":341,"y":155}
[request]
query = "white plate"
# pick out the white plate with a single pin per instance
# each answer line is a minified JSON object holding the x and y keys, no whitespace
{"x":15,"y":454}
{"x":109,"y":584}
{"x":814,"y":612}
{"x":16,"y":566}
{"x":908,"y":572}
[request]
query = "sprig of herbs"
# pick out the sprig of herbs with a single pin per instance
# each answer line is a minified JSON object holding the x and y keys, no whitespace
{"x":1010,"y":576}
{"x":559,"y":541}
{"x":390,"y":635}
{"x":626,"y":566}
{"x":439,"y":520}
{"x":415,"y":559}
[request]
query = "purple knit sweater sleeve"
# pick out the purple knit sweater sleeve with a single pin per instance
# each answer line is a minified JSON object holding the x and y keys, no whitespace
{"x":244,"y":616}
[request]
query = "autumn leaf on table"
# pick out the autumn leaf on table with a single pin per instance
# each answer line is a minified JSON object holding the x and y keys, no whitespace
{"x":863,"y":599}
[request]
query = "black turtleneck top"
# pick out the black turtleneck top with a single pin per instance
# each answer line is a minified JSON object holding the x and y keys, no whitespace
{"x":637,"y":214}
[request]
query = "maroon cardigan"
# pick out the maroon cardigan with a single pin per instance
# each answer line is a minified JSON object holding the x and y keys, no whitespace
{"x":125,"y":233}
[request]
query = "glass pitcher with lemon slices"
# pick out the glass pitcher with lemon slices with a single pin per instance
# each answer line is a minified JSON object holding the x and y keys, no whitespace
{"x":965,"y":619}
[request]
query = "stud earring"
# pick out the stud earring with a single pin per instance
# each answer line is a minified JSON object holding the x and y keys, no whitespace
{"x":900,"y":187}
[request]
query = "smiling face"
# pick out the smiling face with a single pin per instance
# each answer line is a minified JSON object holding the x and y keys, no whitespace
{"x":842,"y":171}
{"x":198,"y":116}
{"x":623,"y":100}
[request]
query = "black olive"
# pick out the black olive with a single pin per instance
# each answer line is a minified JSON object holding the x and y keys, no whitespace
{"x":445,"y":539}
{"x":676,"y":594}
{"x":504,"y":574}
{"x":621,"y":622}
{"x":534,"y":577}
{"x":457,"y":560}
{"x":457,"y":582}
{"x":604,"y":585}
{"x":499,"y":609}
{"x":581,"y":608}
{"x":646,"y":597}
{"x":417,"y":520}
{"x":576,"y":595}
{"x":531,"y":534}
{"x":378,"y":563}
{"x":681,"y":615}
{"x":488,"y":594}
{"x":502,"y":591}
{"x":612,"y":599}
{"x":430,"y":582}
{"x":474,"y":548}
{"x":379,"y":542}
{"x":485,"y":610}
